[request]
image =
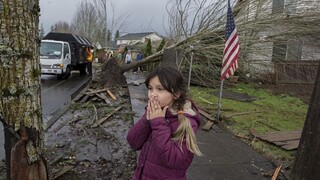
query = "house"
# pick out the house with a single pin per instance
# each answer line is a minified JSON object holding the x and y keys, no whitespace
{"x":112,"y":45}
{"x":134,"y":38}
{"x":279,"y":38}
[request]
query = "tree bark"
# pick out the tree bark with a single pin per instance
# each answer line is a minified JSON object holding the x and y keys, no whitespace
{"x":20,"y":105}
{"x":153,"y":58}
{"x":172,"y":57}
{"x":307,"y":161}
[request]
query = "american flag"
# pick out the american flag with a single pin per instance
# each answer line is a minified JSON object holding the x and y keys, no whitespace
{"x":231,"y":50}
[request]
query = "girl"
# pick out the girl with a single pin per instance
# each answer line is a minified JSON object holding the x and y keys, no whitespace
{"x":165,"y":134}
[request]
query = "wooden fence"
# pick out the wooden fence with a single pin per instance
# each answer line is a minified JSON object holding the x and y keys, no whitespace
{"x":296,"y":72}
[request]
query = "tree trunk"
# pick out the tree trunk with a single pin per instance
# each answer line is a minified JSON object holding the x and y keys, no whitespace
{"x":307,"y":161}
{"x":20,"y":108}
{"x":172,"y":57}
{"x":153,"y":58}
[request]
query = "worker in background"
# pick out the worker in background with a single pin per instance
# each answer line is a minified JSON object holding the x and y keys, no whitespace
{"x":89,"y":60}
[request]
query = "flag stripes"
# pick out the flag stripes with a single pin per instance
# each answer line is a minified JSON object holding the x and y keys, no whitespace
{"x":231,"y":51}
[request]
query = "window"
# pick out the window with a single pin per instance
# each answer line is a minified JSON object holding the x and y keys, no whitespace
{"x":50,"y":50}
{"x":279,"y":51}
{"x":294,"y":50}
{"x":291,"y":6}
{"x":287,"y":51}
{"x":66,"y":50}
{"x":277,"y":6}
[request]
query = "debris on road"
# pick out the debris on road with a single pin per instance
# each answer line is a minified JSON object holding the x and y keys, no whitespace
{"x":88,"y":140}
{"x":286,"y":140}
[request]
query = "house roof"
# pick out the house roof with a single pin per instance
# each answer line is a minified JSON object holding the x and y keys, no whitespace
{"x":134,"y":36}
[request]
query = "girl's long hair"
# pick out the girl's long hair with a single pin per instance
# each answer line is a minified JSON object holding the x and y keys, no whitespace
{"x":172,"y":80}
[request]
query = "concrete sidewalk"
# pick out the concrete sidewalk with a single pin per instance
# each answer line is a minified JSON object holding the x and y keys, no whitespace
{"x":226,"y":157}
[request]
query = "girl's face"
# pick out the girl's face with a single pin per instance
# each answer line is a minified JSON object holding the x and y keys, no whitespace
{"x":156,"y":90}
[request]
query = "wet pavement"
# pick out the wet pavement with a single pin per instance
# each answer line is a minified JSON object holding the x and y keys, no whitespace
{"x":225,"y":156}
{"x":55,"y":94}
{"x":138,"y":93}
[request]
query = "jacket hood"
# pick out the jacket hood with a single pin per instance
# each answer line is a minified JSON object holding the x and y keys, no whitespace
{"x":190,"y":110}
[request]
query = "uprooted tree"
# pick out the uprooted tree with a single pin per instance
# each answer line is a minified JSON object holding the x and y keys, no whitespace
{"x":20,"y":109}
{"x":269,"y":33}
{"x":267,"y":36}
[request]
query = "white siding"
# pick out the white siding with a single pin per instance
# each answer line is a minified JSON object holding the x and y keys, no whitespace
{"x":153,"y":37}
{"x":310,"y":51}
{"x":120,"y":42}
{"x":258,"y":50}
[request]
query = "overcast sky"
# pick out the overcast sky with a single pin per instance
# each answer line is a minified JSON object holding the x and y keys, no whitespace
{"x":145,"y":15}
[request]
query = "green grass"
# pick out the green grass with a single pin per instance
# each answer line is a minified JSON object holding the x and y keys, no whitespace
{"x":269,"y":113}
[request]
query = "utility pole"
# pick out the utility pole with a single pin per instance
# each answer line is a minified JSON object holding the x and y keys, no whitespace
{"x":106,"y":25}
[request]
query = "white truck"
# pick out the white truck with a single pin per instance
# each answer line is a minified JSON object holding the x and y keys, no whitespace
{"x":61,"y":53}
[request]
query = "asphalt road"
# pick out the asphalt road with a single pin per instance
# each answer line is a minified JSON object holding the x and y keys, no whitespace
{"x":55,"y":94}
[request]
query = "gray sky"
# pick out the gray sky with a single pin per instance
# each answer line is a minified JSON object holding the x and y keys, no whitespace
{"x":145,"y":15}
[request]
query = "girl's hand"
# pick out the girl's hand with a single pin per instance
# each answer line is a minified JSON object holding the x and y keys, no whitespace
{"x":154,"y":109}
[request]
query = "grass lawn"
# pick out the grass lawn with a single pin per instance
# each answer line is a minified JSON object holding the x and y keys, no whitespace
{"x":267,"y":114}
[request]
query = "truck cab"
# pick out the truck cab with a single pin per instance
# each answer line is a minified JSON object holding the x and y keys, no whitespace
{"x":55,"y":58}
{"x":61,"y":53}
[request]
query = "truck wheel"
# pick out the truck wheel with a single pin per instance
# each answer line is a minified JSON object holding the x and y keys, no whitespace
{"x":67,"y":73}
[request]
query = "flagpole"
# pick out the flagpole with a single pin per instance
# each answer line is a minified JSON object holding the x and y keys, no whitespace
{"x":190,"y":70}
{"x":219,"y":101}
{"x":230,"y":53}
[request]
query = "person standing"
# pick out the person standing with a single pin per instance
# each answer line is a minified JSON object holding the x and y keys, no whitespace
{"x":124,"y":53}
{"x":139,"y":58}
{"x":128,"y":58}
{"x":110,"y":54}
{"x":89,"y":60}
{"x":165,"y":134}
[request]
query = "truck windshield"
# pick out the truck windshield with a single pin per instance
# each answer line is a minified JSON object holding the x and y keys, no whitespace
{"x":50,"y":50}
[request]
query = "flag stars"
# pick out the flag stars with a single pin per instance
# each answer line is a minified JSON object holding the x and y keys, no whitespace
{"x":230,"y":23}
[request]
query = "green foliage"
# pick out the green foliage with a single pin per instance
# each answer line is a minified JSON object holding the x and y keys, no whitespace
{"x":148,"y":50}
{"x":161,"y":45}
{"x":268,"y":113}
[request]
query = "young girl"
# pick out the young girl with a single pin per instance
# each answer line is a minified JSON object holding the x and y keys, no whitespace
{"x":165,"y":134}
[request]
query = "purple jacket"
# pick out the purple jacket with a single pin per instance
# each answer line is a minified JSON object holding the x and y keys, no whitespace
{"x":160,"y":157}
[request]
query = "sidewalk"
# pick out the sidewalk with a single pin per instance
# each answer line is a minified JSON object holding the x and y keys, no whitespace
{"x":226,"y":157}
